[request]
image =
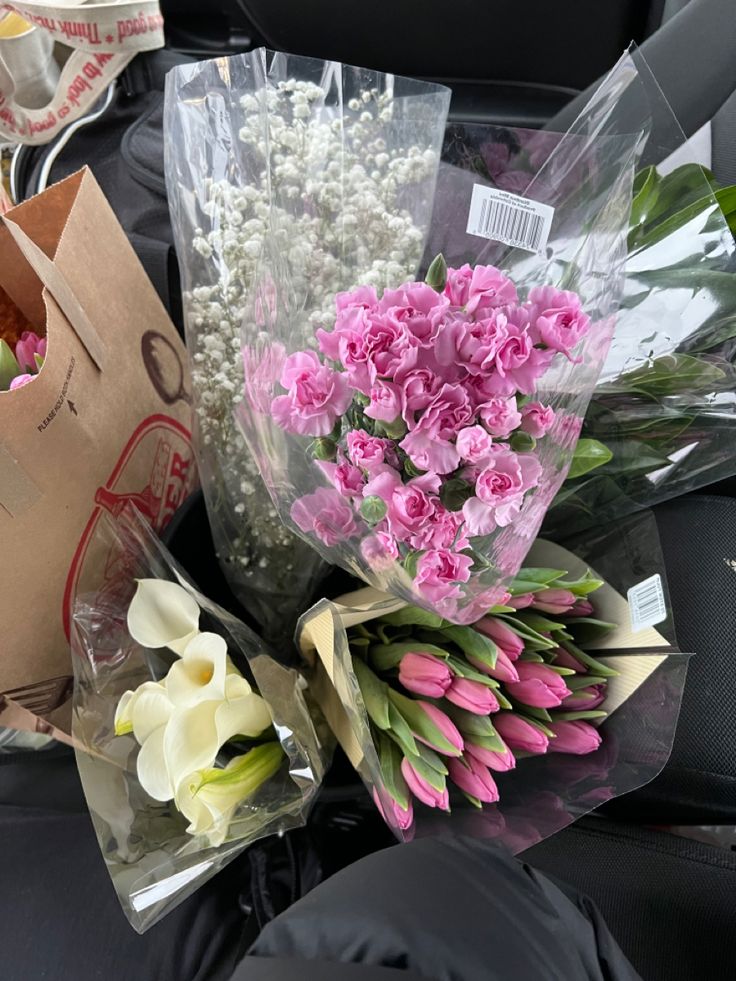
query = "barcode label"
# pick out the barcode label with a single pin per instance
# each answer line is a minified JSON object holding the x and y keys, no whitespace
{"x":646,"y":603}
{"x":509,"y":218}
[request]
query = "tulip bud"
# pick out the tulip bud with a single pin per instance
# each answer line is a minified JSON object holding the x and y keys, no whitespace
{"x":423,"y":790}
{"x":473,"y":696}
{"x":554,"y":601}
{"x":520,"y":734}
{"x":502,"y":635}
{"x":582,"y":608}
{"x":425,"y":675}
{"x":577,"y":738}
{"x":538,"y":686}
{"x":565,"y":659}
{"x":585,"y":698}
{"x":503,"y":670}
{"x":475,"y":779}
{"x":402,"y":817}
{"x":428,"y":724}
{"x":521,"y":602}
{"x":497,"y":760}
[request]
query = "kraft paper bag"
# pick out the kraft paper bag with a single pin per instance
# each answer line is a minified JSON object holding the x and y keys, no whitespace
{"x":107,"y":421}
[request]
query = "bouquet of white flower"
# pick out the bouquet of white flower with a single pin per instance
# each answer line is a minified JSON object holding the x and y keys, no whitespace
{"x":192,"y":741}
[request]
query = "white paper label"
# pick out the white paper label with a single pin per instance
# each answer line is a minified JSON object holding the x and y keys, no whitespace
{"x":509,"y":218}
{"x":646,"y":603}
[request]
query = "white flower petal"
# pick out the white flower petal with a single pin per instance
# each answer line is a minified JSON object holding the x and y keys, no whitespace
{"x":152,"y":771}
{"x":193,"y":807}
{"x":200,"y":674}
{"x":236,"y":686}
{"x":247,"y":715}
{"x":191,"y":741}
{"x":123,"y":716}
{"x":150,"y":709}
{"x":162,"y":614}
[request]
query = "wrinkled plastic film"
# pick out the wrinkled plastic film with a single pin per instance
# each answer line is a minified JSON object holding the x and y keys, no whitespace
{"x":152,"y":860}
{"x":665,"y":404}
{"x":587,"y":177}
{"x":546,"y":793}
{"x":262,"y":142}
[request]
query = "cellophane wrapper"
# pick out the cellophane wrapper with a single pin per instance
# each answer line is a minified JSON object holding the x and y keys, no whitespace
{"x":665,"y":402}
{"x":153,"y":862}
{"x":252,"y":143}
{"x":543,"y":794}
{"x":587,"y":179}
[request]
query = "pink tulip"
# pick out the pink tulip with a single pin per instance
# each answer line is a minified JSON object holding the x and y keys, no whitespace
{"x":473,"y":696}
{"x":446,"y":726}
{"x":565,"y":659}
{"x":475,"y":779}
{"x":402,"y":818}
{"x":501,"y":761}
{"x":521,"y":602}
{"x":555,"y":601}
{"x":27,"y":347}
{"x":504,"y":670}
{"x":582,"y":608}
{"x":422,"y":790}
{"x":577,"y":738}
{"x":520,"y":734}
{"x":504,"y":637}
{"x":19,"y":381}
{"x":425,"y":675}
{"x":538,"y":685}
{"x":596,"y":695}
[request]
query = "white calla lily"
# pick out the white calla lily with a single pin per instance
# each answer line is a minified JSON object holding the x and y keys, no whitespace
{"x":200,"y":673}
{"x":209,"y":798}
{"x":163,"y":614}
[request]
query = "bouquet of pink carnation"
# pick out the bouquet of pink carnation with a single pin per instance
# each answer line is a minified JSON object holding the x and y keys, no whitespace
{"x":422,"y":415}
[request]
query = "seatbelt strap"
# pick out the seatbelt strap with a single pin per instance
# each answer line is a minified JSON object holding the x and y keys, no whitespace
{"x":724,"y":142}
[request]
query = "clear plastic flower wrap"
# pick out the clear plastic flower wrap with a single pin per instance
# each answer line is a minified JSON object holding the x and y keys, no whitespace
{"x":450,"y":735}
{"x":664,"y":407}
{"x":344,"y":161}
{"x":422,"y":444}
{"x":192,"y":741}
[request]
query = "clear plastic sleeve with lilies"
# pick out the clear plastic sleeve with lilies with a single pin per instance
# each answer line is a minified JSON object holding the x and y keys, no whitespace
{"x":192,"y":741}
{"x":344,"y":161}
{"x":560,"y":698}
{"x":415,"y":432}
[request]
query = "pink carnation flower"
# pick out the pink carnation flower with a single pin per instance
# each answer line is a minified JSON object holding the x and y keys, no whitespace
{"x":388,"y":346}
{"x":537,"y":419}
{"x":429,"y":445}
{"x":558,"y":318}
{"x":385,"y":401}
{"x":474,"y":444}
{"x":440,"y":572}
{"x":326,"y":515}
{"x":345,"y":477}
{"x":489,"y":288}
{"x":317,"y":396}
{"x":417,"y":307}
{"x":500,"y":416}
{"x":500,"y":489}
{"x":370,"y":452}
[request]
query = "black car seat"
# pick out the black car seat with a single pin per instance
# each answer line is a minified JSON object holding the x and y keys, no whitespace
{"x":669,"y":900}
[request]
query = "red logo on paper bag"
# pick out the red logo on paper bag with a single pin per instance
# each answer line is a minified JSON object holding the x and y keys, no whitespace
{"x":171,"y":478}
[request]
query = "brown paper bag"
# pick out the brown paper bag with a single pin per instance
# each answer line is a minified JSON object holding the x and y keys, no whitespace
{"x":107,"y":421}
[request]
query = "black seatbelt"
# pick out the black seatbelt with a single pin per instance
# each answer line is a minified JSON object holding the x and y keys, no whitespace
{"x":724,"y":142}
{"x":693,"y":57}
